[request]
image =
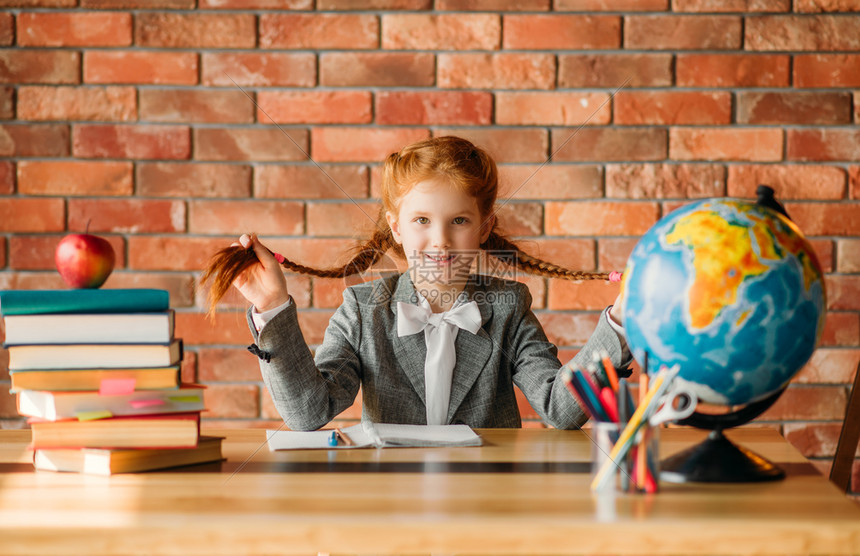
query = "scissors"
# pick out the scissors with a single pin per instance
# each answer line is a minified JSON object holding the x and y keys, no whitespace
{"x":679,"y":402}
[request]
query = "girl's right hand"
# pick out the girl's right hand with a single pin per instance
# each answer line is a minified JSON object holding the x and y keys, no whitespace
{"x":264,"y":283}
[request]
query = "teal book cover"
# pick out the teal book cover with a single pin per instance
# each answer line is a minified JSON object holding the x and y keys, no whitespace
{"x":35,"y":302}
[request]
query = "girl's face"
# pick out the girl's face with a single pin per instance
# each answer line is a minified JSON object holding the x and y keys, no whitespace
{"x":441,"y":230}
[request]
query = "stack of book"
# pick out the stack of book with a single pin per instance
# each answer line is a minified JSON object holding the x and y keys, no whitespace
{"x":97,"y":372}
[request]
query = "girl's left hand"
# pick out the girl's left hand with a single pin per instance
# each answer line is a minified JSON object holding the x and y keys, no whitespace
{"x":615,"y":311}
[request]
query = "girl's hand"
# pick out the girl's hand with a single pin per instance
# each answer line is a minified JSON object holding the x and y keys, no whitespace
{"x":615,"y":312}
{"x":264,"y":283}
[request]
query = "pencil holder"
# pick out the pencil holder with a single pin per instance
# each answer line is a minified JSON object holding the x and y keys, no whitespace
{"x":636,"y":469}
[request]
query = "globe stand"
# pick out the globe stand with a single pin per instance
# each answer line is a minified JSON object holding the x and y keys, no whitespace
{"x":717,"y":459}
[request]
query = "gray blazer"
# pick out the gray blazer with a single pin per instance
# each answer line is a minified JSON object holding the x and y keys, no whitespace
{"x":361,"y":349}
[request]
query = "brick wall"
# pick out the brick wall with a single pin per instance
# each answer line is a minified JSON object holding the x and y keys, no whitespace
{"x":154,"y":122}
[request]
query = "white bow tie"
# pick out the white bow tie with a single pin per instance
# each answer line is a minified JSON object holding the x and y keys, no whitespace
{"x":440,"y":332}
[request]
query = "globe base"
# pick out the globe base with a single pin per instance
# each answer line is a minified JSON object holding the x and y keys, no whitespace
{"x":718,"y":460}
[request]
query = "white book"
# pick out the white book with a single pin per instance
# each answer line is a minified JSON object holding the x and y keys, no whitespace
{"x":92,"y":356}
{"x":96,"y":328}
{"x":375,"y":435}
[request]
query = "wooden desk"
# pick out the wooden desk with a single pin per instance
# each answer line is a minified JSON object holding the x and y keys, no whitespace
{"x":525,"y":492}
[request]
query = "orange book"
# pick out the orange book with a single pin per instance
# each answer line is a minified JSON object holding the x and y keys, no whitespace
{"x":171,"y":430}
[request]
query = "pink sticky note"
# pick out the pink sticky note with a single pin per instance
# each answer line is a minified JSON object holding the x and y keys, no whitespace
{"x":137,"y":404}
{"x":116,"y":386}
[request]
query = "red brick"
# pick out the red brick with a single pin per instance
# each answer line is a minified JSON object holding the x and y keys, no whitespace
{"x":790,"y":181}
{"x":261,"y":69}
{"x":39,"y":66}
{"x":172,"y":179}
{"x":185,"y":253}
{"x":813,"y":439}
{"x":754,"y":144}
{"x":77,"y":103}
{"x":341,"y":219}
{"x":7,"y":103}
{"x":732,"y":70}
{"x":74,"y":29}
{"x":38,"y":3}
{"x":603,"y":218}
{"x":313,"y":325}
{"x":795,"y":32}
{"x":826,"y":219}
{"x":668,"y":108}
{"x":250,"y":144}
{"x":188,"y":367}
{"x":256,"y":4}
{"x":179,"y":286}
{"x":37,"y":252}
{"x":196,"y":106}
{"x":496,"y":71}
{"x":665,"y":181}
{"x":164,"y":68}
{"x":227,"y":365}
{"x":30,"y":281}
{"x":827,"y":70}
{"x":140,"y":141}
{"x":299,"y":289}
{"x":590,"y":144}
{"x":127,"y":215}
{"x":7,"y":29}
{"x":310,"y":182}
{"x":804,"y":403}
{"x":826,"y":6}
{"x":319,"y":31}
{"x":377,"y":69}
{"x":823,"y":249}
{"x":34,"y":140}
{"x":841,"y":329}
{"x":196,"y":30}
{"x":794,"y":108}
{"x":612,"y":5}
{"x":551,"y":181}
{"x":328,"y":292}
{"x":843,"y":292}
{"x":234,"y":401}
{"x":7,"y":178}
{"x":75,"y":178}
{"x":520,"y":219}
{"x":318,"y":107}
{"x":614,"y":70}
{"x":7,"y":404}
{"x":32,"y":215}
{"x":830,"y":366}
{"x":505,"y":145}
{"x":723,"y":6}
{"x":612,"y":254}
{"x":552,"y":108}
{"x":314,"y":252}
{"x":823,"y":144}
{"x":131,"y":4}
{"x":488,"y":5}
{"x":441,"y":32}
{"x":262,"y":217}
{"x":854,"y":178}
{"x":562,"y":32}
{"x":434,"y":107}
{"x":568,"y":329}
{"x":682,"y":32}
{"x":3,"y":265}
{"x":356,"y":144}
{"x":589,"y":295}
{"x":848,"y":255}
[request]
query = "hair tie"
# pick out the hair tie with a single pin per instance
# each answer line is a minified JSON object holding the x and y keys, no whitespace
{"x":615,"y":276}
{"x":278,"y":257}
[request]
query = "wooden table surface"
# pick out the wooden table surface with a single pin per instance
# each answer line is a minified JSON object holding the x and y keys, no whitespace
{"x":525,"y":491}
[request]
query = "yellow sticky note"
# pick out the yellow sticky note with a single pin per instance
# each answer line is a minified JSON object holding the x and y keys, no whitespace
{"x":93,"y":415}
{"x":184,"y":399}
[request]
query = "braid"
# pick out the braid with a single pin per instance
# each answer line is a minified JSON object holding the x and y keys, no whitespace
{"x":229,"y":263}
{"x":509,"y":253}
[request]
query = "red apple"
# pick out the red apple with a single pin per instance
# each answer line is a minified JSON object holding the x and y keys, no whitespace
{"x":84,"y":260}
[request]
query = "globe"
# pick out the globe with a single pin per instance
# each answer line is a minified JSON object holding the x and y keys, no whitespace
{"x":731,"y":292}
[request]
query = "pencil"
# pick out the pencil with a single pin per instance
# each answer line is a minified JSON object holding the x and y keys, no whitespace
{"x":345,"y":437}
{"x":641,"y":466}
